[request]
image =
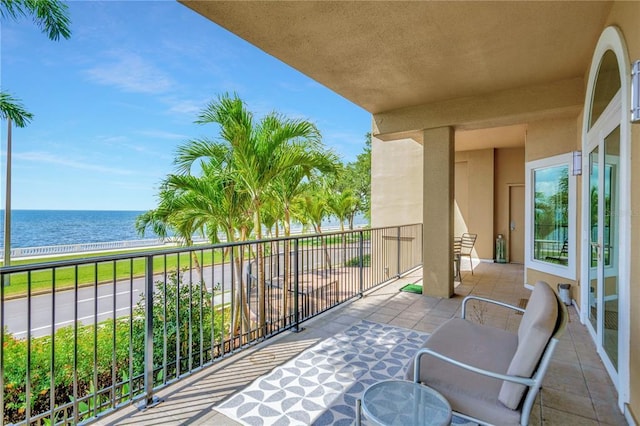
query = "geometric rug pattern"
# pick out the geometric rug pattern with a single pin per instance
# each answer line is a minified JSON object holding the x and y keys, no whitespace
{"x":320,"y":386}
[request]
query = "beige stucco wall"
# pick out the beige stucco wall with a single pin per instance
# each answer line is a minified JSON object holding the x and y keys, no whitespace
{"x":396,"y":182}
{"x":546,"y":138}
{"x":474,"y":198}
{"x":626,"y":15}
{"x":509,"y":170}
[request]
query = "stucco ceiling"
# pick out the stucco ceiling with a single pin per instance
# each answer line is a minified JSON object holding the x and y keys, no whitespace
{"x":388,"y":55}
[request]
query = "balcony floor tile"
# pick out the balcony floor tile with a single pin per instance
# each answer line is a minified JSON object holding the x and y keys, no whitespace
{"x":576,"y":390}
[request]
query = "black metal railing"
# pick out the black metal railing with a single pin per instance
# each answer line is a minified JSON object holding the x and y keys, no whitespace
{"x":82,"y":338}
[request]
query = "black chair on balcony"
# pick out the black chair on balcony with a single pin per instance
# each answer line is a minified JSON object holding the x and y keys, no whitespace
{"x":467,"y":241}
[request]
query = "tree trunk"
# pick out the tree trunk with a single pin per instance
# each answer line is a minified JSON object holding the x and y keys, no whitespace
{"x":260,"y":271}
{"x":287,"y":267}
{"x":240,"y":317}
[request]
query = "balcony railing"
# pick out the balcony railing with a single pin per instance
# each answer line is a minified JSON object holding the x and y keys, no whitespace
{"x":83,"y":338}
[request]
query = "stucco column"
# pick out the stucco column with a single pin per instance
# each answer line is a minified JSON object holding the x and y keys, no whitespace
{"x":438,"y":208}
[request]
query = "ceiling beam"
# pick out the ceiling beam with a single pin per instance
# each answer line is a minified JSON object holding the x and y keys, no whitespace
{"x":504,"y":108}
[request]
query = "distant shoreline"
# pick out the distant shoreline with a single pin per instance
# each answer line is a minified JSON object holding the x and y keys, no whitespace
{"x":45,"y":228}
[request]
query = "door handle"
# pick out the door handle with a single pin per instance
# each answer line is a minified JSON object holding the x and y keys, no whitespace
{"x":512,"y":226}
{"x":598,"y":248}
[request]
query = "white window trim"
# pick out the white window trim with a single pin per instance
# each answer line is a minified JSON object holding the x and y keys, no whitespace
{"x":613,"y":39}
{"x":568,"y":271}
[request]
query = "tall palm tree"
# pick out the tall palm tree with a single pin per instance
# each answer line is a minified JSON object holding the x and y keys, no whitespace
{"x":312,"y":209}
{"x":168,"y":219}
{"x":52,"y":17}
{"x":342,"y":205}
{"x":214,"y":199}
{"x":261,"y":151}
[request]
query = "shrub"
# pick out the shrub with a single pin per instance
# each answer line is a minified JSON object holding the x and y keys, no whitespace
{"x":112,"y":350}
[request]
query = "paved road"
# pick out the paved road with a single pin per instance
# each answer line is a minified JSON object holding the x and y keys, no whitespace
{"x":88,"y":298}
{"x":102,"y":302}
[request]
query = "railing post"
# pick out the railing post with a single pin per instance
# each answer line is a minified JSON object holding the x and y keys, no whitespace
{"x":149,"y":400}
{"x":296,"y":288}
{"x":398,"y":276}
{"x":361,"y":262}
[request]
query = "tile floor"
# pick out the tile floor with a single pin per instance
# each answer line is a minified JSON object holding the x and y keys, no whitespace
{"x":576,"y":390}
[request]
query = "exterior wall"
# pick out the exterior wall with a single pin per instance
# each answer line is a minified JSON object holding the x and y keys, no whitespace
{"x":396,"y":182}
{"x":509,"y":164}
{"x":474,"y":198}
{"x":547,"y":138}
{"x":626,"y":15}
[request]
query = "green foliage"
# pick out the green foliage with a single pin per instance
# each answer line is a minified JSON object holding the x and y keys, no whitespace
{"x":356,"y":178}
{"x":52,"y":17}
{"x":185,"y":309}
{"x":355,"y":261}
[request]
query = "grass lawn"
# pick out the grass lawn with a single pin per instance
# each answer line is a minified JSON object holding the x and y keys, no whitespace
{"x":104,"y":272}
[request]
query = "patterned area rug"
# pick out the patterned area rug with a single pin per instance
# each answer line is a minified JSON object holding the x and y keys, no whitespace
{"x":320,"y":386}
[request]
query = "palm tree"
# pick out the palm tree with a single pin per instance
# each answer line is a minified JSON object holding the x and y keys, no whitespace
{"x":342,"y":205}
{"x":214,"y":199}
{"x":312,"y":209}
{"x":168,"y":218}
{"x":260,"y":153}
{"x":52,"y":17}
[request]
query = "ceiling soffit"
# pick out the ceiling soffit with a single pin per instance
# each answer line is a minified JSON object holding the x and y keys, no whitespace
{"x":389,"y":55}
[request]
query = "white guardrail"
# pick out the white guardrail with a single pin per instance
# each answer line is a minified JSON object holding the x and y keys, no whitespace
{"x":57,"y":250}
{"x":44,"y":251}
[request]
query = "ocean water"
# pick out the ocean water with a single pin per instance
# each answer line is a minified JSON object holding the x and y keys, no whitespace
{"x":37,"y":228}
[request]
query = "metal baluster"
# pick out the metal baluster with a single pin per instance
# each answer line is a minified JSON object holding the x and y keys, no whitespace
{"x":114,"y":359}
{"x":178,"y":354}
{"x":3,"y":282}
{"x":190,"y":317}
{"x":95,"y":341}
{"x":296,"y":286}
{"x":52,"y":379}
{"x":75,"y":347}
{"x":361,"y":262}
{"x":398,"y":270}
{"x":202,"y":289}
{"x":28,"y":383}
{"x":165,"y":349}
{"x":149,"y":399}
{"x":131,"y":391}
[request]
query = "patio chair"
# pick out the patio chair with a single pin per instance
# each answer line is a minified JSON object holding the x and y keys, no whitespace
{"x":564,"y":253}
{"x":466,"y":246}
{"x":490,"y":375}
{"x":457,"y":247}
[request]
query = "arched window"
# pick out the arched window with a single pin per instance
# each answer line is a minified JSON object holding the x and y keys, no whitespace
{"x":606,"y":86}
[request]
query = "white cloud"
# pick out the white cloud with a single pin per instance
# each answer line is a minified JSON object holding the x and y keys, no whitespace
{"x":187,"y":107}
{"x":160,"y":134}
{"x":131,"y":73}
{"x":48,"y":158}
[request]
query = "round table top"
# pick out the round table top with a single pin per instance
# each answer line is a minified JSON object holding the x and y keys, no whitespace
{"x":400,"y":402}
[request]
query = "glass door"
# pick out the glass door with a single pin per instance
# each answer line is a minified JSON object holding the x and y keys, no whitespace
{"x":604,"y":160}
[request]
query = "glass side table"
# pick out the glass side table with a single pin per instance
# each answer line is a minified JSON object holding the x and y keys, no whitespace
{"x":400,"y":402}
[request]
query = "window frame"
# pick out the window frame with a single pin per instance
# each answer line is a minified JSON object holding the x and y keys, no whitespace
{"x":564,"y":271}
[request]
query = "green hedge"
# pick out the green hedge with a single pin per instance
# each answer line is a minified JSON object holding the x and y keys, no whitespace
{"x":95,"y":352}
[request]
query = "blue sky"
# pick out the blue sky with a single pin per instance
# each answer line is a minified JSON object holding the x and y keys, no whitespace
{"x":112,"y":103}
